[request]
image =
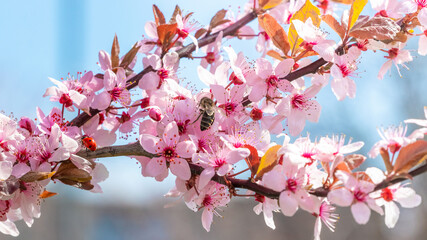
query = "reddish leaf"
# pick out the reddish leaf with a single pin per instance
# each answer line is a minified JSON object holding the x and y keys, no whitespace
{"x":166,"y":32}
{"x":200,"y":33}
{"x":275,"y":55}
{"x":275,"y":32}
{"x":115,"y":51}
{"x":410,"y":156}
{"x":128,"y":58}
{"x":158,"y":16}
{"x":354,"y":160}
{"x":334,"y":24}
{"x":379,"y":28}
{"x":217,"y":19}
{"x":175,"y":12}
{"x":253,"y":159}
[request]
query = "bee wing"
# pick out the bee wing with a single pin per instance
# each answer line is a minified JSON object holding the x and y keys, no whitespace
{"x":210,"y":111}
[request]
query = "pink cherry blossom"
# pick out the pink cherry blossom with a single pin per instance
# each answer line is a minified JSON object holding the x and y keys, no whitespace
{"x":345,"y":65}
{"x":219,"y":161}
{"x":171,"y":152}
{"x":393,"y":139}
{"x":115,"y":90}
{"x":65,"y":96}
{"x":266,"y":206}
{"x":213,"y":57}
{"x":298,"y":107}
{"x":324,"y":212}
{"x":387,"y":197}
{"x":213,"y":196}
{"x":163,"y":69}
{"x":268,"y":80}
{"x":396,"y":55}
{"x":314,"y":39}
{"x":290,"y":181}
{"x":387,"y":8}
{"x":355,"y":193}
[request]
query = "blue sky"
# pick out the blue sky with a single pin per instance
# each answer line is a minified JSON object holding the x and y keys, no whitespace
{"x":54,"y":38}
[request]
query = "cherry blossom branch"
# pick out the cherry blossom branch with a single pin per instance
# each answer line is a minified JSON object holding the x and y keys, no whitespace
{"x":135,"y":149}
{"x":183,"y":52}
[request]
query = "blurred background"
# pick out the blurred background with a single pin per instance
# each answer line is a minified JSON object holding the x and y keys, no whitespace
{"x":55,"y":38}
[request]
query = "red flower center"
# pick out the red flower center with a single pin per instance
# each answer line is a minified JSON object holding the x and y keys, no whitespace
{"x":387,"y":194}
{"x":163,"y":73}
{"x":291,"y":185}
{"x":115,"y":93}
{"x":298,"y":101}
{"x":210,"y":57}
{"x":207,"y":201}
{"x":359,"y":196}
{"x":66,"y":100}
{"x":272,"y":81}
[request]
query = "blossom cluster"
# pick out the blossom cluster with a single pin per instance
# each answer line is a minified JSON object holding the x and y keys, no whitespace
{"x":204,"y":136}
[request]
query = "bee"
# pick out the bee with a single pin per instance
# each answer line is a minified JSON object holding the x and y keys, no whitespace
{"x":89,"y":142}
{"x":207,"y":112}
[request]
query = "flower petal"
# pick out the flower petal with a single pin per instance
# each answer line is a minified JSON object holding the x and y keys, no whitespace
{"x":180,"y":168}
{"x":361,"y":212}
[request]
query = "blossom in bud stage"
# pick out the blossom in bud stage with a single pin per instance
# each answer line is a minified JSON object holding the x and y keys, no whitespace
{"x":171,"y":152}
{"x":355,"y":193}
{"x":256,"y":114}
{"x":155,"y":114}
{"x":387,"y":197}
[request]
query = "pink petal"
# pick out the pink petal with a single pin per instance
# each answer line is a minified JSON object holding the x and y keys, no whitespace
{"x":20,"y":170}
{"x":288,"y":204}
{"x":104,"y":138}
{"x":149,"y":81}
{"x":5,"y":169}
{"x":110,"y":80}
{"x":268,"y":218}
{"x":151,"y":143}
{"x":9,"y":228}
{"x":104,"y":60}
{"x":237,"y":154}
{"x":274,"y":180}
{"x":313,"y":111}
{"x":171,"y":135}
{"x":407,"y":197}
{"x":361,"y":212}
{"x":205,"y":76}
{"x":101,"y":101}
{"x":186,"y":149}
{"x":391,"y":214}
{"x":224,"y":169}
{"x":422,"y":16}
{"x":259,"y":90}
{"x":296,"y":122}
{"x":180,"y":168}
{"x":317,"y":228}
{"x":341,"y":197}
{"x":284,"y":67}
{"x":205,"y":177}
{"x":171,"y":60}
{"x":207,"y":217}
{"x":156,"y":166}
{"x":384,"y":68}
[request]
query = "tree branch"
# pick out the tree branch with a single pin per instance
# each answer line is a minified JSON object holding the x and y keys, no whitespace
{"x":135,"y":149}
{"x":183,"y":52}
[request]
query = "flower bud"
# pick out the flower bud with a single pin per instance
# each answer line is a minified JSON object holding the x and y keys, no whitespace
{"x":256,"y":114}
{"x":237,"y":81}
{"x":155,"y":114}
{"x":145,"y":102}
